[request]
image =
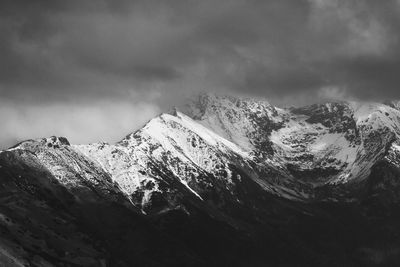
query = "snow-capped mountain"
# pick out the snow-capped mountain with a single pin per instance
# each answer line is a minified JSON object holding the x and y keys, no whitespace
{"x":288,"y":152}
{"x":246,"y":170}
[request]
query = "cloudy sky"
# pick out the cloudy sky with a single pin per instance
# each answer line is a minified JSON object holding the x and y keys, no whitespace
{"x":96,"y":70}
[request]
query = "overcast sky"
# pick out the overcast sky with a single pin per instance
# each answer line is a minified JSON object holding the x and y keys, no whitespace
{"x":96,"y":70}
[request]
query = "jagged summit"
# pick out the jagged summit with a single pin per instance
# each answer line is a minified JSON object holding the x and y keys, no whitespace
{"x":201,"y":104}
{"x":393,"y":103}
{"x":51,"y":142}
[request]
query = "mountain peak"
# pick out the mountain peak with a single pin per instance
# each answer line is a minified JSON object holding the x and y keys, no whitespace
{"x":393,"y":103}
{"x":202,"y":104}
{"x":51,"y":142}
{"x":57,"y":140}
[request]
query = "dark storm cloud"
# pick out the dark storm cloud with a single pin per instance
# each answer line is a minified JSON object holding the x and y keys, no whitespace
{"x":344,"y":44}
{"x":368,"y":77}
{"x":155,"y":52}
{"x":58,"y":48}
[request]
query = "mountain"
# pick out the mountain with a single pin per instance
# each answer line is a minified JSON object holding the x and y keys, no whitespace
{"x":220,"y":181}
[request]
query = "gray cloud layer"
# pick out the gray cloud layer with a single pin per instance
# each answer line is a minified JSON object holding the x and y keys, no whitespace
{"x":123,"y":52}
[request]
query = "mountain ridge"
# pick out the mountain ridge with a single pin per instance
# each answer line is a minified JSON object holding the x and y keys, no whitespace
{"x":241,"y":167}
{"x":259,"y":132}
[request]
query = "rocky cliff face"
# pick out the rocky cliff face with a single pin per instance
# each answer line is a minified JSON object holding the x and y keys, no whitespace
{"x":218,"y":170}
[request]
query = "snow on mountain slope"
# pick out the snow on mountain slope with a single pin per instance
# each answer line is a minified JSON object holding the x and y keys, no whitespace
{"x":131,"y":173}
{"x":234,"y":165}
{"x":71,"y":168}
{"x":224,"y":139}
{"x":332,"y":142}
{"x":286,"y":151}
{"x":291,"y":139}
{"x":174,"y":148}
{"x":59,"y":208}
{"x":243,"y":121}
{"x":394,"y":104}
{"x":336,"y":141}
